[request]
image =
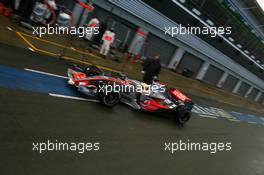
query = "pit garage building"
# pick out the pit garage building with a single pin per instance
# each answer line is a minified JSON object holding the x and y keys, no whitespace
{"x":231,"y":62}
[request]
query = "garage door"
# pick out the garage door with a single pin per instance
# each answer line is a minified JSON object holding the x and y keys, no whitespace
{"x":261,"y":99}
{"x":190,"y":62}
{"x":253,"y":94}
{"x":157,"y":46}
{"x":243,"y":89}
{"x":213,"y":75}
{"x":230,"y":83}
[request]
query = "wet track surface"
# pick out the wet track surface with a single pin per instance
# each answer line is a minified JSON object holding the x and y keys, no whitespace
{"x":131,"y":142}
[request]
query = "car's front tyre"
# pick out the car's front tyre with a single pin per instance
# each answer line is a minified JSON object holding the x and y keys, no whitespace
{"x":110,"y":99}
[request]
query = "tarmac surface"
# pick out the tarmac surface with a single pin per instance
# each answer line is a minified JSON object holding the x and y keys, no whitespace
{"x":131,"y":142}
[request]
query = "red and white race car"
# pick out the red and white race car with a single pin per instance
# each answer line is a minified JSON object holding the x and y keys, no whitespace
{"x":111,"y":90}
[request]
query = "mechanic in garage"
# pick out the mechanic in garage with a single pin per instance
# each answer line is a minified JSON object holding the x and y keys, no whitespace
{"x":151,"y":69}
{"x":108,"y":39}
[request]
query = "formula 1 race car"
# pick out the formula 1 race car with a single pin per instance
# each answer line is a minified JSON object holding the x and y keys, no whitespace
{"x":111,"y":90}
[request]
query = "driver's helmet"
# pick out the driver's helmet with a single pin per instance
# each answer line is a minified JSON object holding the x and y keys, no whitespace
{"x":93,"y":71}
{"x":155,"y":79}
{"x":122,"y":76}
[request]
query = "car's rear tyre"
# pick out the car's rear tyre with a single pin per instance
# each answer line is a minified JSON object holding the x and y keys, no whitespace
{"x":110,"y":100}
{"x":183,"y":116}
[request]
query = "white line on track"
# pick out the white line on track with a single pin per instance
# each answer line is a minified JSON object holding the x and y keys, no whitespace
{"x":45,"y":73}
{"x":252,"y":122}
{"x":31,"y":49}
{"x":233,"y":120}
{"x":72,"y":97}
{"x":207,"y":116}
{"x":9,"y":28}
{"x":237,"y":112}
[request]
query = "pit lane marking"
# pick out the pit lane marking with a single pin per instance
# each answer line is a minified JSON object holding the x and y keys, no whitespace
{"x":234,"y":120}
{"x":207,"y":116}
{"x":59,"y":45}
{"x":31,"y":49}
{"x":45,"y":73}
{"x":239,"y":113}
{"x":23,"y":38}
{"x":217,"y":113}
{"x":9,"y":28}
{"x":53,"y":43}
{"x":252,"y":122}
{"x":72,"y":97}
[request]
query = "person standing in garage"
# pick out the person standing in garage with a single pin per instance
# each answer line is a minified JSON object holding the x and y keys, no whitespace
{"x":93,"y":23}
{"x":151,"y":69}
{"x":108,"y":39}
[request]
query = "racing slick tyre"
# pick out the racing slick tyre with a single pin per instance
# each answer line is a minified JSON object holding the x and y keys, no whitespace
{"x":110,"y":100}
{"x":183,"y":116}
